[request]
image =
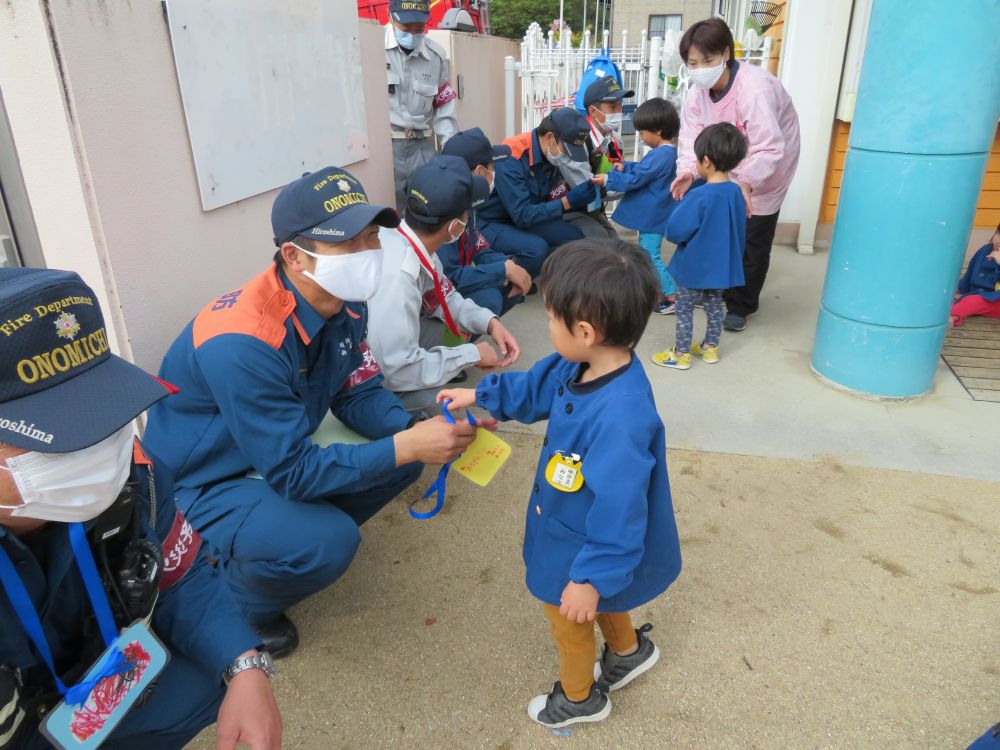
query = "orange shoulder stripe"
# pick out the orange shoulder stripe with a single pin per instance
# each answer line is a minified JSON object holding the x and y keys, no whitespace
{"x":519,"y":144}
{"x":259,"y":309}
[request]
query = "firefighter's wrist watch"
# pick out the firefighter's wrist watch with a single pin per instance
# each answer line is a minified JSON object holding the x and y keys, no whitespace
{"x":260,"y":660}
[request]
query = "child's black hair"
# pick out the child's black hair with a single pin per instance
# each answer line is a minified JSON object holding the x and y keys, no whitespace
{"x":609,"y":283}
{"x":657,"y":116}
{"x":723,"y":144}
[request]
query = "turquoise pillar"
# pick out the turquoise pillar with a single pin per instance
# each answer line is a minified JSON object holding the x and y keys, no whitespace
{"x":926,"y":114}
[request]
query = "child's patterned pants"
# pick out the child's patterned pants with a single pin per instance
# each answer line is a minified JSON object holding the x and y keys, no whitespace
{"x":684,"y":310}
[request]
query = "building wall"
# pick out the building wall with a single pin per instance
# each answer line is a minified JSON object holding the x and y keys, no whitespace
{"x":479,"y":60}
{"x":98,"y":122}
{"x":633,"y":15}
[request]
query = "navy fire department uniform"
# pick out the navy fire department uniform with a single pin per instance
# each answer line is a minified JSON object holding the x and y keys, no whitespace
{"x":523,"y":217}
{"x":196,"y":617}
{"x":257,"y":370}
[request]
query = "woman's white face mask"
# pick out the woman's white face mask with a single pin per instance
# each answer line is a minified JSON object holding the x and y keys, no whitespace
{"x":72,"y":487}
{"x":705,"y":78}
{"x":354,"y":277}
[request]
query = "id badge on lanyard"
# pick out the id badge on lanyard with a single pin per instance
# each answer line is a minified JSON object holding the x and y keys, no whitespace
{"x":91,"y":710}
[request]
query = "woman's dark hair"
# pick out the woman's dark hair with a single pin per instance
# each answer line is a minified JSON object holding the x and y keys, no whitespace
{"x":723,"y":144}
{"x":711,"y":36}
{"x":657,"y":116}
{"x":610,"y":284}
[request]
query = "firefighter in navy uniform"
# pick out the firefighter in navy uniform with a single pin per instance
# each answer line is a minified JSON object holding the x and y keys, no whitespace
{"x":421,"y":98}
{"x":91,"y":543}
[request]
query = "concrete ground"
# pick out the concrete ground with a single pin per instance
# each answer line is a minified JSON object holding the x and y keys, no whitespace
{"x":832,"y":596}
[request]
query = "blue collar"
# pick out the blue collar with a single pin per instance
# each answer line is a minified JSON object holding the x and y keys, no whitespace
{"x":310,"y":320}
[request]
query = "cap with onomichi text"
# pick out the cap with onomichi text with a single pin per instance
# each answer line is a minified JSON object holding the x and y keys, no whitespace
{"x":605,"y":89}
{"x":329,"y":205}
{"x":410,"y":11}
{"x":61,"y":388}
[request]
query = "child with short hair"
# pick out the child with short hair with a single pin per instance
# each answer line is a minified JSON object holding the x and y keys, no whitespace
{"x":647,"y":203}
{"x":709,"y":228}
{"x":600,"y":537}
{"x":979,"y":289}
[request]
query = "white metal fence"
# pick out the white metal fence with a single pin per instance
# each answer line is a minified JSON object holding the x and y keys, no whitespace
{"x":550,"y":69}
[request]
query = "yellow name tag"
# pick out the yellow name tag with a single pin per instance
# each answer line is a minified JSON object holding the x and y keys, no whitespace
{"x":565,"y":473}
{"x":483,"y":458}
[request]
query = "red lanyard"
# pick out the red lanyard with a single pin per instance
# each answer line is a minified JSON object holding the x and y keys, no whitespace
{"x":425,"y":262}
{"x":598,"y":137}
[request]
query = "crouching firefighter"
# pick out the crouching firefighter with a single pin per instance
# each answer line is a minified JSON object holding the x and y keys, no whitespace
{"x":116,"y":630}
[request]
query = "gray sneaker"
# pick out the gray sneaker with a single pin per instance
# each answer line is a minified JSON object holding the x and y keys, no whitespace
{"x":614,"y":672}
{"x":556,"y":710}
{"x":734,"y":322}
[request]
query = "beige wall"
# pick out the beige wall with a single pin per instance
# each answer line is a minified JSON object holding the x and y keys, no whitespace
{"x":98,"y":123}
{"x":479,"y":60}
{"x":163,"y":256}
{"x":633,"y":15}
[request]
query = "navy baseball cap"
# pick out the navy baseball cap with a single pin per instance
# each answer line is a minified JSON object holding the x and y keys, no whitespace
{"x":410,"y":11}
{"x":572,"y":129}
{"x":329,"y":205}
{"x":61,"y":388}
{"x":444,"y":188}
{"x":605,"y":89}
{"x":473,"y":146}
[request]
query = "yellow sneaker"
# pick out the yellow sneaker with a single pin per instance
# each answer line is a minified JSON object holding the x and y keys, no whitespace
{"x":672,"y":359}
{"x":709,"y":354}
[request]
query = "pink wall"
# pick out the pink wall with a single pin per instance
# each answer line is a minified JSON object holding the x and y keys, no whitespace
{"x":168,"y":257}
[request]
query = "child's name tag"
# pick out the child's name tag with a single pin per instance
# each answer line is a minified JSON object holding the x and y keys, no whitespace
{"x":483,"y":458}
{"x":87,"y":726}
{"x":565,"y":473}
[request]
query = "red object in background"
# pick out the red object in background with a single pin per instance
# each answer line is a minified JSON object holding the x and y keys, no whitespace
{"x":379,"y":10}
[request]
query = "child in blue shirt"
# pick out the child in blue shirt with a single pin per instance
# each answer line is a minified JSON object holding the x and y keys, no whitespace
{"x":647,"y":203}
{"x":600,"y":537}
{"x":709,"y":229}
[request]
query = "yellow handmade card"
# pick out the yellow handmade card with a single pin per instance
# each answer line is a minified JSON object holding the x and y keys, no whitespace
{"x":483,"y":458}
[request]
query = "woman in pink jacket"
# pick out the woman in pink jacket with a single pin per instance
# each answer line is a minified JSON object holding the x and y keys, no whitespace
{"x":753,"y":100}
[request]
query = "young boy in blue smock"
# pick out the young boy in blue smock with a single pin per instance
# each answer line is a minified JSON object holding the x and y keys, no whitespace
{"x":709,"y":228}
{"x":600,"y":537}
{"x":647,"y":203}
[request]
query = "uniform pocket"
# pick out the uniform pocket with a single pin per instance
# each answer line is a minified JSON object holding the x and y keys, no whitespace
{"x":425,"y":89}
{"x":558,"y":530}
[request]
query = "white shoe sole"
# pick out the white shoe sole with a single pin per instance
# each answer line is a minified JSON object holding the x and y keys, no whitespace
{"x":537,"y":705}
{"x":644,"y":667}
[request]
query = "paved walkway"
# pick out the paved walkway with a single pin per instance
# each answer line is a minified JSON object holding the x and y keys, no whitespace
{"x":762,"y":399}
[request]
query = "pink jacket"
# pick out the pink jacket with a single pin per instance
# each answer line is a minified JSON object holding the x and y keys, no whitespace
{"x":758,"y":105}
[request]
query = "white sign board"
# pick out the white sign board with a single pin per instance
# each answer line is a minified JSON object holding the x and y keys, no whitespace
{"x":270,"y":90}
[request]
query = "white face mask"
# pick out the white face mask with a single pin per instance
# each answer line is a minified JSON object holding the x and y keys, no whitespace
{"x":559,"y":157}
{"x":454,"y":237}
{"x":72,"y":487}
{"x":613,"y":122}
{"x":705,"y":78}
{"x":354,"y":277}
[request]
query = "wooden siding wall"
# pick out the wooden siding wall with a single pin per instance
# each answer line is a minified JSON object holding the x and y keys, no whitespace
{"x":987,"y":210}
{"x":777,"y":32}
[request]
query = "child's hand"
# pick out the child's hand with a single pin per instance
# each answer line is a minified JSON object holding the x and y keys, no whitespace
{"x":461,"y":398}
{"x":579,"y":602}
{"x":620,"y":166}
{"x":599,"y":179}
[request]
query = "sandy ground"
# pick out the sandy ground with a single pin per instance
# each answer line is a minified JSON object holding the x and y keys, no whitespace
{"x":820,"y":606}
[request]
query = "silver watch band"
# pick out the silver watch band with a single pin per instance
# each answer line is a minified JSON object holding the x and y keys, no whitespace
{"x":260,"y":660}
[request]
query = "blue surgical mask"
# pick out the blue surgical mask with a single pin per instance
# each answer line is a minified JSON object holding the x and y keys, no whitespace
{"x":408,"y":40}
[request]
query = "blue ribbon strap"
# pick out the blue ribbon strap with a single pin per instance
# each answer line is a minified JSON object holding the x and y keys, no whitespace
{"x":114,"y":660}
{"x":440,"y":483}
